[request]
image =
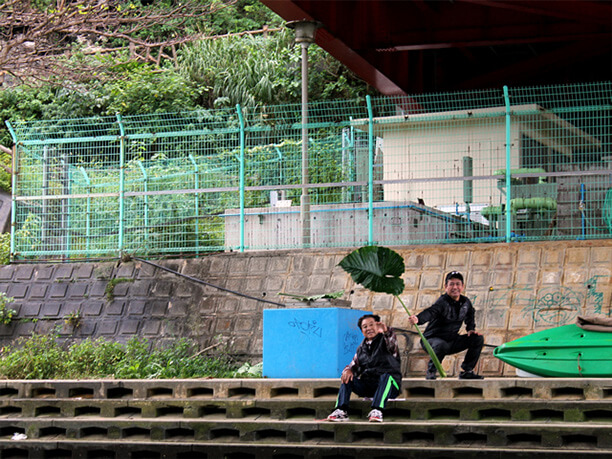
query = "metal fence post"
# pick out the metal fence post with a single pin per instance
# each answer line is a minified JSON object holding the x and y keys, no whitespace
{"x":15,"y":168}
{"x":508,"y":168}
{"x":370,"y":172}
{"x":121,"y":182}
{"x":242,"y":172}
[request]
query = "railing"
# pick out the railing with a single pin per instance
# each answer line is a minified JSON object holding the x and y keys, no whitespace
{"x":483,"y":166}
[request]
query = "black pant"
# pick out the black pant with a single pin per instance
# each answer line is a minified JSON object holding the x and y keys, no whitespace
{"x":473,"y":343}
{"x":381,"y":390}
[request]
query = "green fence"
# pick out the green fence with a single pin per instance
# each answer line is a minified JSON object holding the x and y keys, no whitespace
{"x":504,"y":164}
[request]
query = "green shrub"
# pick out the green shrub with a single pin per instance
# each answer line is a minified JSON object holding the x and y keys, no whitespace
{"x":42,"y":357}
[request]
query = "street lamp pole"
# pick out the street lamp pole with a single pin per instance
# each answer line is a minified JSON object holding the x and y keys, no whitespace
{"x":304,"y":35}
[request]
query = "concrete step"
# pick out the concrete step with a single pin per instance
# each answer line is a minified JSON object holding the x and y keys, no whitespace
{"x":256,"y":418}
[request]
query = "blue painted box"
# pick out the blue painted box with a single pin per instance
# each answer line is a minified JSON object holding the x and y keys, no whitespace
{"x":309,"y":342}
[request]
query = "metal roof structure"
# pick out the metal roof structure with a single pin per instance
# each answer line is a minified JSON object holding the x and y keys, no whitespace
{"x":416,"y":46}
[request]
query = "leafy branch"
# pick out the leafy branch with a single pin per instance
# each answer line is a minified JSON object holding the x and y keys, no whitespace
{"x":379,"y":269}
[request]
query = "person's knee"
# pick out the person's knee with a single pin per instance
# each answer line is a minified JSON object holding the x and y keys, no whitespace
{"x":477,"y":340}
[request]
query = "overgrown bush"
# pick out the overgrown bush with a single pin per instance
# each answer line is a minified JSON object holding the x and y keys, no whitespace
{"x":43,"y":357}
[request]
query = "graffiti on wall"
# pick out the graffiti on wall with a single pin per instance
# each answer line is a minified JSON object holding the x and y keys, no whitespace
{"x":556,"y":305}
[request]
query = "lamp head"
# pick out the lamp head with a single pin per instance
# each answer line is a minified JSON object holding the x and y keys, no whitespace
{"x":304,"y":30}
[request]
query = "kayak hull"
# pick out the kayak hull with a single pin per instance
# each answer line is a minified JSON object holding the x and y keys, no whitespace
{"x":567,"y":351}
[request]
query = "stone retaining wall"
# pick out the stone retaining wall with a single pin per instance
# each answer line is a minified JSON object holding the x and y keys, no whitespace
{"x":516,"y":288}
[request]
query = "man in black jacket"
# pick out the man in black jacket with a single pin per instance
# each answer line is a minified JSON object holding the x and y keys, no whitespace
{"x":445,"y":317}
{"x":375,"y":370}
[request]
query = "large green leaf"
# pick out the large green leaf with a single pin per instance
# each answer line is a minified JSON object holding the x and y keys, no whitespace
{"x":376,"y":268}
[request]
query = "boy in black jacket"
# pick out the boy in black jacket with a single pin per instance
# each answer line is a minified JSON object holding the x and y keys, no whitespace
{"x":445,"y":317}
{"x":375,"y":370}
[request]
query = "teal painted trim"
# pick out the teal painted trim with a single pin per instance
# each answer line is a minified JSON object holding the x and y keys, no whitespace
{"x":15,"y":161}
{"x":88,"y":211}
{"x":121,"y":184}
{"x":508,"y":167}
{"x":145,"y":179}
{"x":12,"y":131}
{"x":370,"y":171}
{"x":242,"y":172}
{"x":196,"y":185}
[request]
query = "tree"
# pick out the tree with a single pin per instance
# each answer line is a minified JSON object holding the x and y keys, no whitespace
{"x":39,"y":41}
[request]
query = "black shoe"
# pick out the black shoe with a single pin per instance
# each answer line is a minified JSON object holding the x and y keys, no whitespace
{"x":469,"y":375}
{"x":430,"y":375}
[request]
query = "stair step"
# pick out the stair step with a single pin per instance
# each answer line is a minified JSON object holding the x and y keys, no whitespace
{"x":271,"y":450}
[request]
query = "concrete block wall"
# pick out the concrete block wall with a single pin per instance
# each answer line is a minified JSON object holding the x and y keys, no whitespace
{"x":516,"y":288}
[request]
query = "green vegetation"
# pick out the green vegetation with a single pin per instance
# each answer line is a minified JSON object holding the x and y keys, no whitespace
{"x":6,"y":313}
{"x":109,"y":291}
{"x":43,"y":357}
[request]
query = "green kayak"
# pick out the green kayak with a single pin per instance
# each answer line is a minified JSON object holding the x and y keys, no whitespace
{"x":568,"y":351}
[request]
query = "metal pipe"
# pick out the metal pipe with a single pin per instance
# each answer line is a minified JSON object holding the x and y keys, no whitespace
{"x":196,"y":184}
{"x":508,"y":168}
{"x":242,"y":172}
{"x":121,"y":183}
{"x":370,"y":172}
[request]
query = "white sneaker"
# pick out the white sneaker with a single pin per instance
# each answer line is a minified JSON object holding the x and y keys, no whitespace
{"x":375,"y":416}
{"x":338,"y":415}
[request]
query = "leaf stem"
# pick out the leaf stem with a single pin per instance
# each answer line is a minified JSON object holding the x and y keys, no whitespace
{"x":426,"y":344}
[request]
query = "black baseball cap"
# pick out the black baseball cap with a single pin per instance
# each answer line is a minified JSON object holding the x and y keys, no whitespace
{"x":453,"y":275}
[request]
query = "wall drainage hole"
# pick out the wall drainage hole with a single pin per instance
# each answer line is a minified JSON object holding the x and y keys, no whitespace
{"x":8,"y":392}
{"x":169,"y":411}
{"x":94,"y":433}
{"x":119,"y":392}
{"x":211,"y":410}
{"x":421,"y":392}
{"x":158,"y":392}
{"x":576,"y":441}
{"x":325,"y":392}
{"x":546,"y":415}
{"x":200,"y":392}
{"x":301,"y":413}
{"x":607,"y":393}
{"x":319,"y":435}
{"x":494,"y":414}
{"x":443,"y":413}
{"x":51,"y":432}
{"x":244,"y":392}
{"x":284,"y":392}
{"x":15,"y":453}
{"x":270,"y":434}
{"x":43,"y":392}
{"x":418,"y":437}
{"x":127,"y":412}
{"x":146,"y":454}
{"x":598,"y":415}
{"x":87,"y":411}
{"x":81,"y":392}
{"x":573,"y":393}
{"x":57,"y":454}
{"x":48,"y":411}
{"x":256,"y":412}
{"x":471,"y":438}
{"x":9,"y":431}
{"x":100,"y":454}
{"x":524,"y":439}
{"x":180,"y":434}
{"x":366,"y":436}
{"x":517,"y":392}
{"x":135,"y":433}
{"x":9,"y":410}
{"x":397,"y":413}
{"x":224,"y":434}
{"x":467,"y":392}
